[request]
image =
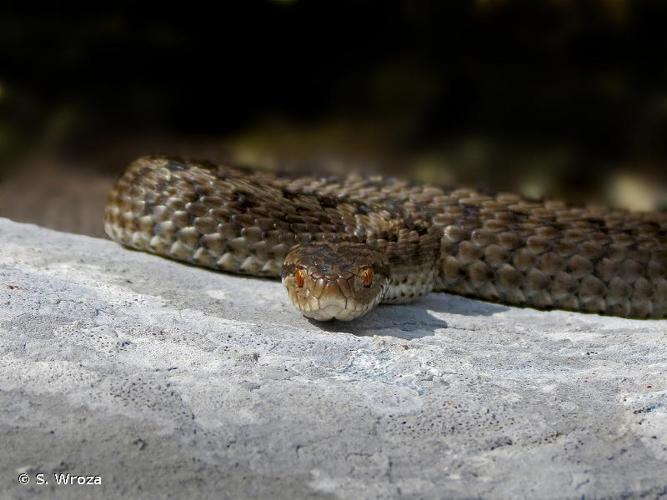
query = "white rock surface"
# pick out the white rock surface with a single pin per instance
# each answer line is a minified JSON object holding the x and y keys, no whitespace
{"x":171,"y":381}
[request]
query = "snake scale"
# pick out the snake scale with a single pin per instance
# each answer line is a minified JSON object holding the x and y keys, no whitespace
{"x":344,"y":244}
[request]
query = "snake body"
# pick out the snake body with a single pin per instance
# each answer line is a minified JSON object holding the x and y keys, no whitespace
{"x":344,"y":244}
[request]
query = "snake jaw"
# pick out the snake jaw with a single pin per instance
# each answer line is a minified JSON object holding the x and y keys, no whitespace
{"x":327,"y":282}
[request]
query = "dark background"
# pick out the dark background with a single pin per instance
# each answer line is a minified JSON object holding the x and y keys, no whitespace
{"x":558,"y":98}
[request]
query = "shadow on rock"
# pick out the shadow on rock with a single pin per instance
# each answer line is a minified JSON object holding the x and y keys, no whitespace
{"x":412,"y":321}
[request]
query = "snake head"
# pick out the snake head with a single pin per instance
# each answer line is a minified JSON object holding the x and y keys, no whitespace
{"x":339,"y":280}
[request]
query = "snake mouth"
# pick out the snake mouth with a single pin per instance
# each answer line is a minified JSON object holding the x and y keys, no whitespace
{"x":326,"y":299}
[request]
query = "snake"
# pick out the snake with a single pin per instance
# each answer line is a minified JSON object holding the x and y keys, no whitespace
{"x":344,"y":244}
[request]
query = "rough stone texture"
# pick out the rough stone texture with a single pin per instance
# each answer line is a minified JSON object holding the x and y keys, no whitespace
{"x":171,"y":381}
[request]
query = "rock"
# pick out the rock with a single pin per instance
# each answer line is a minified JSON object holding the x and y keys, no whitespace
{"x":166,"y":379}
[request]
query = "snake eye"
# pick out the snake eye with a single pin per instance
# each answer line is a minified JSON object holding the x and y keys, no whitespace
{"x":299,"y":278}
{"x":367,"y":277}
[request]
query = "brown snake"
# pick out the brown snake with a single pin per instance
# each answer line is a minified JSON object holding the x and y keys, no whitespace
{"x":344,"y":244}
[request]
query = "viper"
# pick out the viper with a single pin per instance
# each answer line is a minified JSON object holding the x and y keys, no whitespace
{"x":342,"y":245}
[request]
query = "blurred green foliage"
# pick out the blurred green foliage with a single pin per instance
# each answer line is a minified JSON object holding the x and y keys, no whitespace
{"x":545,"y":90}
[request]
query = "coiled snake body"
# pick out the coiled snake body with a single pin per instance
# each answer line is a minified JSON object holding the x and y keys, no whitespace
{"x":344,"y":244}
